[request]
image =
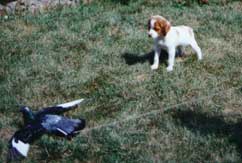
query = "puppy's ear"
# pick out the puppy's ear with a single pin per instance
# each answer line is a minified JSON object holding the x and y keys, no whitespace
{"x":167,"y":27}
{"x":162,"y":27}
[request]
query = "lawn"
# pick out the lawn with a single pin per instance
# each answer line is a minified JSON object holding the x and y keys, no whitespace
{"x":101,"y":51}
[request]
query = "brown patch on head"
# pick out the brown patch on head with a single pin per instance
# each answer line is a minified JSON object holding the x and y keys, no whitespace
{"x":162,"y":26}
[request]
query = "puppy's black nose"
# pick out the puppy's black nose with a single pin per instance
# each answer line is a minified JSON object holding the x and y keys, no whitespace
{"x":149,"y":34}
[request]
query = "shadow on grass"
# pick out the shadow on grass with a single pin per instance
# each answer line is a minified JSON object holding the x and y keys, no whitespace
{"x":131,"y":58}
{"x":4,"y":2}
{"x":207,"y":124}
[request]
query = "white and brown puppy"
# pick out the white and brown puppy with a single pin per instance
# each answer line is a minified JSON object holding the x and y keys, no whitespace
{"x":169,"y":38}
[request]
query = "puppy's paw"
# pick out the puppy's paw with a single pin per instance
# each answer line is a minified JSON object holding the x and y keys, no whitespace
{"x":154,"y":66}
{"x":169,"y":68}
{"x":200,"y":57}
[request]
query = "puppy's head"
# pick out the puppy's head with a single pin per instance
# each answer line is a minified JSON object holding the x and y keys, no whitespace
{"x":158,"y":26}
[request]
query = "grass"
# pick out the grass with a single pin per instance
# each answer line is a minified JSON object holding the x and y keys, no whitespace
{"x":101,"y":51}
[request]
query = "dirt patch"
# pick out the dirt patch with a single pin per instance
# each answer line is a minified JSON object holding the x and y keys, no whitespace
{"x":34,"y":6}
{"x":6,"y":133}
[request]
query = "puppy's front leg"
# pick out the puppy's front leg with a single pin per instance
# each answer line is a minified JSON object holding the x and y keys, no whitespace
{"x":171,"y":58}
{"x":156,"y":58}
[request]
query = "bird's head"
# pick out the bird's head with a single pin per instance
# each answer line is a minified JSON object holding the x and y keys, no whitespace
{"x":24,"y":109}
{"x":28,"y":115}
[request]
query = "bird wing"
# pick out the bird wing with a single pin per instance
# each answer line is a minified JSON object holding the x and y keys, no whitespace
{"x":58,"y":109}
{"x":20,"y":142}
{"x":62,"y":126}
{"x":18,"y":149}
{"x":68,"y":125}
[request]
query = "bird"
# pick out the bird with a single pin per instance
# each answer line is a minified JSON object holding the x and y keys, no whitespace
{"x":45,"y":121}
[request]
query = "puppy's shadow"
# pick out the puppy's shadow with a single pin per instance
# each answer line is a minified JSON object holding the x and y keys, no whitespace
{"x":131,"y":58}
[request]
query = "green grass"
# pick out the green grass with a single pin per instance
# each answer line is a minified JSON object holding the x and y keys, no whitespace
{"x":98,"y":51}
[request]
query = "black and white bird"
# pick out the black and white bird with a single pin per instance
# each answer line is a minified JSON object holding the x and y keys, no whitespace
{"x":45,"y":121}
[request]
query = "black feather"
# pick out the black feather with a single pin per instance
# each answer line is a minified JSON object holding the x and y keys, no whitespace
{"x":30,"y":133}
{"x":52,"y":110}
{"x":14,"y":155}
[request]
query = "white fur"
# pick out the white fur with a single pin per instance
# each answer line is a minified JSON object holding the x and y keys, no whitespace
{"x":152,"y":32}
{"x":71,"y":104}
{"x":21,"y":147}
{"x":177,"y":36}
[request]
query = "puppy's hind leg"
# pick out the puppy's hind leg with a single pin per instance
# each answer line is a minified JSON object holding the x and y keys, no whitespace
{"x":196,"y":48}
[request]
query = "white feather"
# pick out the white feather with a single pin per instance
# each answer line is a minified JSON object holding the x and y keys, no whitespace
{"x":63,"y":132}
{"x":21,"y":147}
{"x":71,"y":104}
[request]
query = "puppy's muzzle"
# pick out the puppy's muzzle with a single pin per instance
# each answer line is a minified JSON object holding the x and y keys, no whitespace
{"x":149,"y":35}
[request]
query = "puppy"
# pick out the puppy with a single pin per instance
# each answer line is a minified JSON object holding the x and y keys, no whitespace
{"x":169,"y":38}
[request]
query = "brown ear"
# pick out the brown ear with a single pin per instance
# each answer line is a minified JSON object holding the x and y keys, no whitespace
{"x":162,"y":27}
{"x":167,"y":27}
